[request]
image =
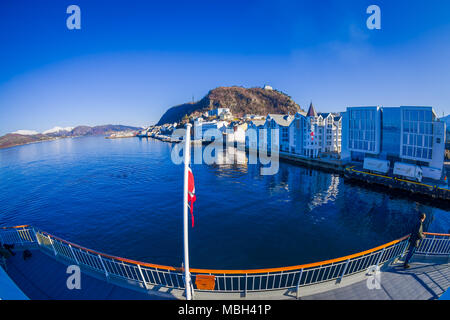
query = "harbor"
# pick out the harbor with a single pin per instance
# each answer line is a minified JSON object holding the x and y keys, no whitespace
{"x":408,"y":155}
{"x":235,"y":154}
{"x":356,"y":173}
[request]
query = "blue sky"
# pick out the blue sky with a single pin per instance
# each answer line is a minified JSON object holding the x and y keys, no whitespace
{"x":132,"y":60}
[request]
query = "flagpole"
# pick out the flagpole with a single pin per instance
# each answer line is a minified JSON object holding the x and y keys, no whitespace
{"x":187,"y":157}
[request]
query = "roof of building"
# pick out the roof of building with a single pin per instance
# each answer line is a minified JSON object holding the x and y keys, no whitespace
{"x":281,"y":119}
{"x":258,"y":123}
{"x":324,"y":114}
{"x":311,"y":111}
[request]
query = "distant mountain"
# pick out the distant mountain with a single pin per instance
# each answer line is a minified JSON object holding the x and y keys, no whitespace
{"x":100,"y":130}
{"x":58,"y":130}
{"x":14,"y":139}
{"x":240,"y":100}
{"x":26,"y":132}
{"x":27,"y":136}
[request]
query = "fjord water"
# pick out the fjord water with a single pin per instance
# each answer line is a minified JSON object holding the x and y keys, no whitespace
{"x":124,"y":197}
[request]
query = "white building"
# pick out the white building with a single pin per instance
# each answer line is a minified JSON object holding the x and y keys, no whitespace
{"x":306,"y":134}
{"x":280,"y":122}
{"x":253,"y":142}
{"x":329,"y":132}
{"x":314,"y":133}
{"x":404,"y":134}
{"x":205,"y":129}
{"x":218,"y":111}
{"x":236,"y":133}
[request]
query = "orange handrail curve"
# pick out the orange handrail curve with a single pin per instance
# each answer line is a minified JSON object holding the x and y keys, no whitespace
{"x":145,"y":264}
{"x":310,"y":265}
{"x":437,"y":234}
{"x":302,"y":266}
{"x":244,"y":271}
{"x":16,"y":227}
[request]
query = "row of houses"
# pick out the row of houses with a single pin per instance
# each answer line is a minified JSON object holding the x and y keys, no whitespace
{"x":309,"y":134}
{"x":407,"y":134}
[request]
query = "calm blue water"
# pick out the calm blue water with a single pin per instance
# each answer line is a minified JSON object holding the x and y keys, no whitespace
{"x":124,"y":197}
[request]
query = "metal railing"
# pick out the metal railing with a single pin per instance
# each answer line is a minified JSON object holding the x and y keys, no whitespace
{"x":435,"y":244}
{"x":147,"y":275}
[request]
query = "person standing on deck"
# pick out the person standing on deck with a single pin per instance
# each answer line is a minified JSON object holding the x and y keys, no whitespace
{"x":414,"y":239}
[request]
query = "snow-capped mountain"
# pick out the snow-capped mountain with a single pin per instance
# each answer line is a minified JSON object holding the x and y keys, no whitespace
{"x":26,"y":132}
{"x":58,"y":130}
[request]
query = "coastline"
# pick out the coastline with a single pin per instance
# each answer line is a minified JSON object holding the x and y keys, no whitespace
{"x":40,"y":141}
{"x":30,"y":142}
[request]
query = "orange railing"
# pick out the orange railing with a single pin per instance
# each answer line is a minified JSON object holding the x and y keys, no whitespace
{"x":148,"y":274}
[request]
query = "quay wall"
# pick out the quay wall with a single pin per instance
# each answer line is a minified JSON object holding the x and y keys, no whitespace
{"x":426,"y":189}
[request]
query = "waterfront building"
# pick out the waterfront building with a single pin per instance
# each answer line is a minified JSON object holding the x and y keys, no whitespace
{"x":297,"y":134}
{"x":226,"y":115}
{"x":253,"y":117}
{"x":218,"y":111}
{"x":329,"y":132}
{"x":398,"y":134}
{"x":252,"y":142}
{"x":236,"y":132}
{"x":280,"y":122}
{"x":312,"y":133}
{"x":201,"y":127}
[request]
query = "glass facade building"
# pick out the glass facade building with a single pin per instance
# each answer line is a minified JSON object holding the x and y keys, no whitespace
{"x":391,"y":133}
{"x":363,"y":133}
{"x":398,"y":134}
{"x":417,"y":137}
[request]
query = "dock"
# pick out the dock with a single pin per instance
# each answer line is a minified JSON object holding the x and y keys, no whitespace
{"x":427,"y":188}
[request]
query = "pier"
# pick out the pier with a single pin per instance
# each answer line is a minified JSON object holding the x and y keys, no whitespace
{"x":429,"y":188}
{"x":43,"y":276}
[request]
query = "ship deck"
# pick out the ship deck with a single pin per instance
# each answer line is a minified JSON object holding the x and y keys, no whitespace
{"x":43,"y":277}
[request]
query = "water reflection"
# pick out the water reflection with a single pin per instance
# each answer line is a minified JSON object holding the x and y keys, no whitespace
{"x":125,"y":198}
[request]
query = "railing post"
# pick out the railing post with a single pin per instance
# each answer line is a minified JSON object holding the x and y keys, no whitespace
{"x":36,"y":236}
{"x":404,"y":249}
{"x":431,"y":247}
{"x":51,"y":242}
{"x":379,"y":258}
{"x":245,"y":286}
{"x":142,"y":275}
{"x":298,"y":283}
{"x":192,"y":291}
{"x":103,"y":265}
{"x":20,"y":236}
{"x":343,"y":272}
{"x":73,"y":253}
